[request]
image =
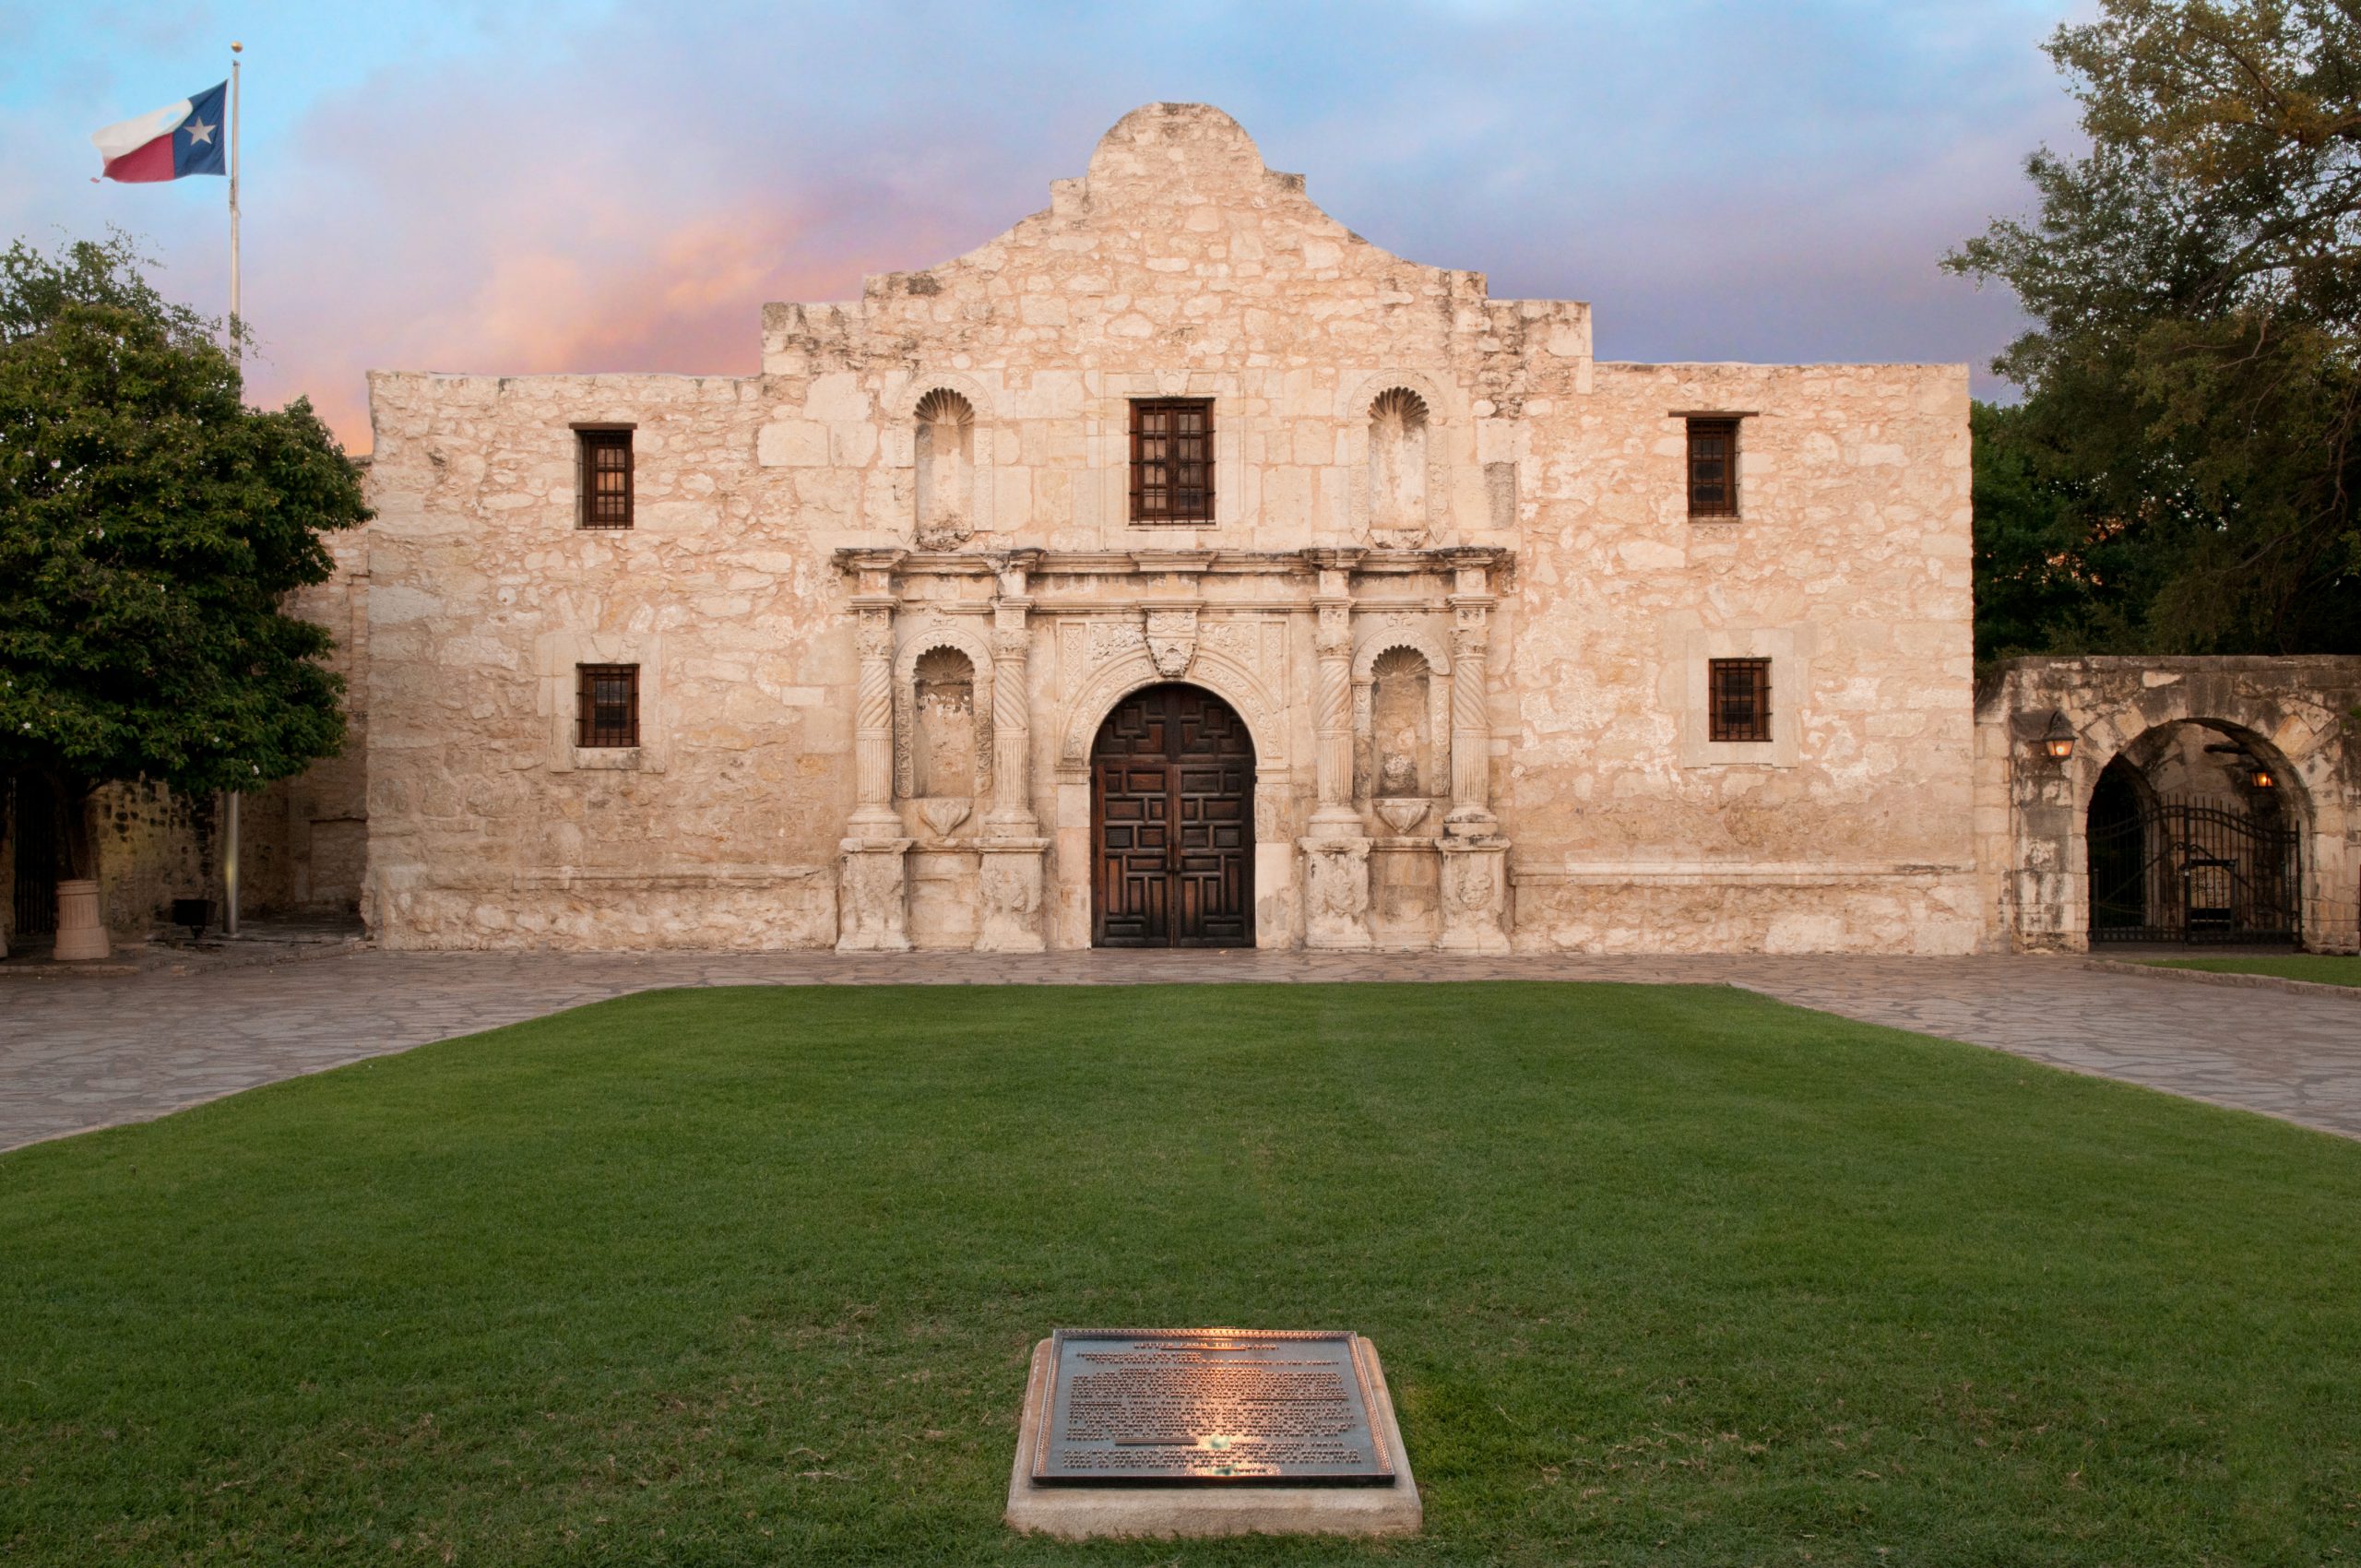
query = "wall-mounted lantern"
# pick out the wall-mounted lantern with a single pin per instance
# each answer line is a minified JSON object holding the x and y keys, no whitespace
{"x":2259,"y":776}
{"x":2058,"y":741}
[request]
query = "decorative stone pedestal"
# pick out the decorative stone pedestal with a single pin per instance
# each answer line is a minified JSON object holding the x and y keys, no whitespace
{"x":1011,"y":878}
{"x":1474,"y":895}
{"x":1335,"y":895}
{"x":873,"y":898}
{"x":81,"y":933}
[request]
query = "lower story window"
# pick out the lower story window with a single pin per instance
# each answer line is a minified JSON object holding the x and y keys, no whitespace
{"x":608,"y":704}
{"x":1737,"y":692}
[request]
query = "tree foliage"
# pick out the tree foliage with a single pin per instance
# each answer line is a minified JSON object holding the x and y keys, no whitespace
{"x":2184,"y":465}
{"x":150,"y":524}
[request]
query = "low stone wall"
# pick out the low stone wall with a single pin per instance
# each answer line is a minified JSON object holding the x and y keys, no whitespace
{"x":747,"y":911}
{"x":1751,"y":908}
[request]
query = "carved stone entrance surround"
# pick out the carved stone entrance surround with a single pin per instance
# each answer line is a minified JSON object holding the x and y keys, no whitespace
{"x":1289,"y":639}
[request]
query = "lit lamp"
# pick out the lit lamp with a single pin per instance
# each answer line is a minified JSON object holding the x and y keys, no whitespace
{"x":2058,"y":741}
{"x":2259,"y":776}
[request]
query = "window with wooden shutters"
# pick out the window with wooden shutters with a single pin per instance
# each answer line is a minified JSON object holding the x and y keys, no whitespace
{"x":1713,"y":467}
{"x":1738,"y":692}
{"x":1172,"y":460}
{"x":608,"y":710}
{"x":606,"y":479}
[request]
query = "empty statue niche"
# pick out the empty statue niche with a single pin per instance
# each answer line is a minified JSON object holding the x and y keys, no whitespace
{"x":943,"y":750}
{"x":1401,"y":725}
{"x":945,"y":450}
{"x":1397,"y":466}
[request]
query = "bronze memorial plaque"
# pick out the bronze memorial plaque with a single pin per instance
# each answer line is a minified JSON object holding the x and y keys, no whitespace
{"x":1209,"y":1407}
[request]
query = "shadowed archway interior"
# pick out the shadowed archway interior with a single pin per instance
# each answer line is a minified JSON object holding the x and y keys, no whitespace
{"x":1172,"y":823}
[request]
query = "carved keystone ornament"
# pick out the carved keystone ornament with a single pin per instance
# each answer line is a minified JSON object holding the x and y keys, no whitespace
{"x":1172,"y":641}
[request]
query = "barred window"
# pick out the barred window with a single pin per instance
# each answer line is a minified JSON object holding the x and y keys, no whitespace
{"x":1713,"y":467}
{"x":608,"y":704}
{"x":1738,"y":692}
{"x":1172,"y":460}
{"x":606,"y":479}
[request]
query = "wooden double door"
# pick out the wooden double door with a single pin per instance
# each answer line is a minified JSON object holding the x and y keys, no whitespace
{"x":1172,"y":823}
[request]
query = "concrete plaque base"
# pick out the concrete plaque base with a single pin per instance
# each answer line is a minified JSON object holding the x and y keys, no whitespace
{"x":1210,"y":1509}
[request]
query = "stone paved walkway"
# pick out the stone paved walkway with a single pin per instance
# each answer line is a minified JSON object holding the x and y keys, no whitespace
{"x":90,"y":1052}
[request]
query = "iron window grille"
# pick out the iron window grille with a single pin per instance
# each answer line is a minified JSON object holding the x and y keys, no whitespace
{"x":1739,"y":699}
{"x":606,"y":479}
{"x":1713,"y":467}
{"x":1172,"y":460}
{"x":607,"y":710}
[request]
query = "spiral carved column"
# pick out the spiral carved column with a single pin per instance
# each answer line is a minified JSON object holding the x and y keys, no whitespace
{"x":873,"y":720}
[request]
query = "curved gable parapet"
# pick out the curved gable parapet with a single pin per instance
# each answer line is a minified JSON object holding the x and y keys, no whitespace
{"x":1160,"y":152}
{"x":1214,"y":199}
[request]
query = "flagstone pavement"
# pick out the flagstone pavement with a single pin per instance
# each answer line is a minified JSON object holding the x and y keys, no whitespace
{"x":86,"y":1052}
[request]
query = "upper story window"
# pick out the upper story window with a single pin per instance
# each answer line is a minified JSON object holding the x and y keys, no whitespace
{"x":1172,"y":460}
{"x":1737,"y":698}
{"x":606,"y":478}
{"x":607,"y":710}
{"x":1713,"y":467}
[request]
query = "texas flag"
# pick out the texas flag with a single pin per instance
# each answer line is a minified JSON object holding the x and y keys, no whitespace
{"x":186,"y":138}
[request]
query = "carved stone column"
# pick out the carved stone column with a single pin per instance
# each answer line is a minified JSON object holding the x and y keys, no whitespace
{"x":872,"y":896}
{"x":1471,"y":717}
{"x":1011,"y":812}
{"x":1010,"y":851}
{"x":874,"y":814}
{"x":1333,"y":640}
{"x":1336,"y":855}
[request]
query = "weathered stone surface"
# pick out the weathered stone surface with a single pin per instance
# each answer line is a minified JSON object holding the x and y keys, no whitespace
{"x":1373,"y":419}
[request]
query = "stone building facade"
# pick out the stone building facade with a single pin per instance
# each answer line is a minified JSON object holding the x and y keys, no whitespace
{"x":879,"y":602}
{"x":1178,"y":566}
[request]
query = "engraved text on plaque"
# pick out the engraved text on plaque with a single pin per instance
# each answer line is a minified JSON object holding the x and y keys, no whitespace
{"x":1206,"y":1406}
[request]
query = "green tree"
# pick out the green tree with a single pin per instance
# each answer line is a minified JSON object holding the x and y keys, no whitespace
{"x":2193,"y":380}
{"x":150,"y":524}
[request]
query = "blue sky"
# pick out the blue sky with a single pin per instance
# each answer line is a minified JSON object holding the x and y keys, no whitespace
{"x":539,"y":186}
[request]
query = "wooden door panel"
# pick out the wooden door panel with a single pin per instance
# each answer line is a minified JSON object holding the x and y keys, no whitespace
{"x":1172,"y":823}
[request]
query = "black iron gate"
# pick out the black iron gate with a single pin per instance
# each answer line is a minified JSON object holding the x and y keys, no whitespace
{"x":2194,"y":870}
{"x":35,"y":857}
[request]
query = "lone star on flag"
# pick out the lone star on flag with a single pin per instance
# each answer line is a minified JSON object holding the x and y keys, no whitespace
{"x":199,"y":131}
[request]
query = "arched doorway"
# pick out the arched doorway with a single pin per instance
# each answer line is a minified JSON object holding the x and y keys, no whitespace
{"x":2187,"y":841}
{"x":1172,"y":823}
{"x":2122,"y":814}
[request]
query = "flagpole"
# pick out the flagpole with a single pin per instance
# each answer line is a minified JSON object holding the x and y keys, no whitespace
{"x":237,"y":352}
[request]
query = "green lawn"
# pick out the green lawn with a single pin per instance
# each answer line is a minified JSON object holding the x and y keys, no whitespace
{"x":1660,"y":1276}
{"x":2326,"y":968}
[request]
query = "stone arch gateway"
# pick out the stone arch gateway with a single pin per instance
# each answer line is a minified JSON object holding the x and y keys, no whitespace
{"x":2287,"y":713}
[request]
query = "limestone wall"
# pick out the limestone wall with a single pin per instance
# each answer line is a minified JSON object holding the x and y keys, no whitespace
{"x":487,"y":826}
{"x":1364,"y":405}
{"x":304,"y":841}
{"x":1848,"y":566}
